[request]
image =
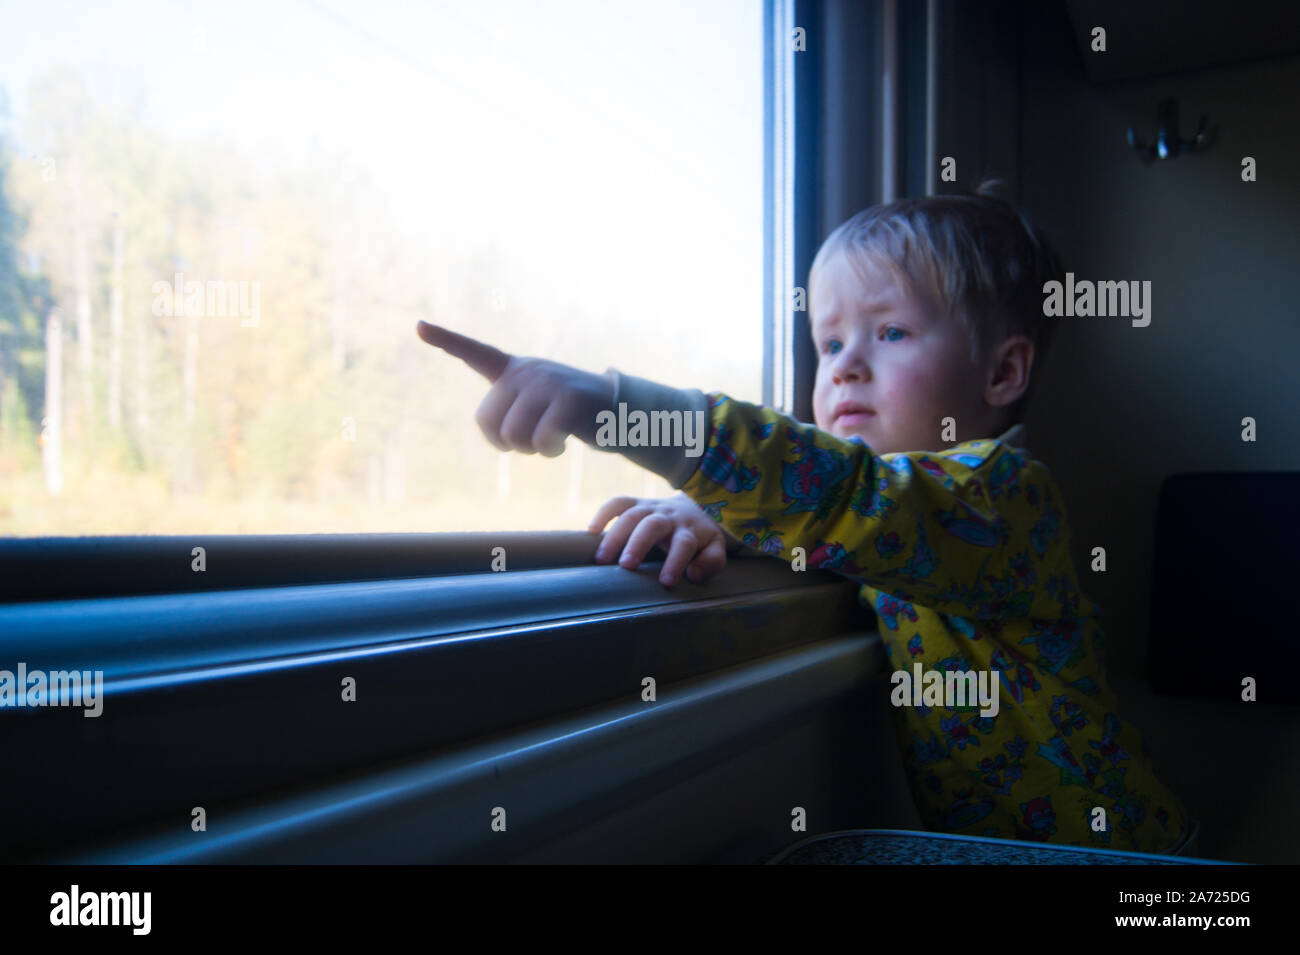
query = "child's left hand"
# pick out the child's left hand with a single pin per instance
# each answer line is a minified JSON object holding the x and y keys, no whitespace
{"x":534,"y":404}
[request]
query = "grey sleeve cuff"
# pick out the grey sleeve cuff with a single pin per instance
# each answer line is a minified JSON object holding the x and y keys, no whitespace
{"x":674,"y":430}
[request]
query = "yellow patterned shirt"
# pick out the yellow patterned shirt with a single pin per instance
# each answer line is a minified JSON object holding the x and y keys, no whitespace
{"x":963,"y":555}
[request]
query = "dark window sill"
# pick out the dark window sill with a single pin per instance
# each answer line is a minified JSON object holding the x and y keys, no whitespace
{"x":217,"y":695}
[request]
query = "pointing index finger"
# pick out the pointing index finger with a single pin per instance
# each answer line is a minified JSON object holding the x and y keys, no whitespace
{"x":487,"y":361}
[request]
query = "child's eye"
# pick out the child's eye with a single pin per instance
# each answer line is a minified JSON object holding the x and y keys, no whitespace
{"x":828,"y":347}
{"x":892,"y":329}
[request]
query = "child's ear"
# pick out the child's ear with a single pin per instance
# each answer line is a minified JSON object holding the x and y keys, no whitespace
{"x":1009,"y":371}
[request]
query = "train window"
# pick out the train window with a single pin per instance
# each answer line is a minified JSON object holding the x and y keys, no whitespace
{"x":220,"y":225}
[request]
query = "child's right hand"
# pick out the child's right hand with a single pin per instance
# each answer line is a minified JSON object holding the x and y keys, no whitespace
{"x":689,"y":535}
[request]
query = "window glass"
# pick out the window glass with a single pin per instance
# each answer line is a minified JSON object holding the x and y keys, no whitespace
{"x":220,"y":223}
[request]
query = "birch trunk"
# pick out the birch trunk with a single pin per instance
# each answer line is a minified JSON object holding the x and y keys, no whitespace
{"x":115,"y":326}
{"x":52,"y":425}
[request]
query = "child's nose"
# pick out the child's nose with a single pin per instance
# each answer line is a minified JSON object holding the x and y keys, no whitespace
{"x":850,"y":365}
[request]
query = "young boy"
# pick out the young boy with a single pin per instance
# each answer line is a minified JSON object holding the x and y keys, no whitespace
{"x":927,"y":317}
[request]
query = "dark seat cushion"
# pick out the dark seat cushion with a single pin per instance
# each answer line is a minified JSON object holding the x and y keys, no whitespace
{"x":1225,"y":581}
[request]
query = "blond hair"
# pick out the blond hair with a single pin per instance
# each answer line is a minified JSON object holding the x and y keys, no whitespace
{"x":976,"y":257}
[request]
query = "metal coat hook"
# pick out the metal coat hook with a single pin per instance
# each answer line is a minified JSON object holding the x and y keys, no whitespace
{"x":1167,"y":144}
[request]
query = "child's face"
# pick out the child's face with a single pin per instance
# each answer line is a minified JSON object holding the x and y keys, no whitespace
{"x":882,"y":348}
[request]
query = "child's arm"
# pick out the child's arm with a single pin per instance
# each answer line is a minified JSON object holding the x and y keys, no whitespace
{"x":961,"y":531}
{"x":953,"y":530}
